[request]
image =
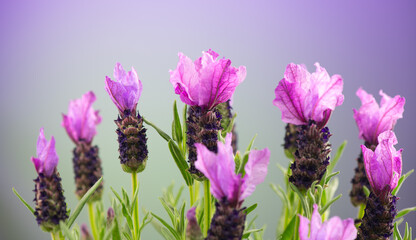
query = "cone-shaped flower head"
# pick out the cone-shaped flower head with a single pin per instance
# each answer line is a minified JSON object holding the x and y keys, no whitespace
{"x":81,"y":121}
{"x":373,"y":119}
{"x":304,"y":96}
{"x":125,"y":90}
{"x":206,"y":82}
{"x":384,"y":165}
{"x":220,"y":170}
{"x":333,"y":229}
{"x":47,"y":159}
{"x":193,"y":231}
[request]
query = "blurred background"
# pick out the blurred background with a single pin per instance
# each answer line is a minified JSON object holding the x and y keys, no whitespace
{"x":55,"y":51}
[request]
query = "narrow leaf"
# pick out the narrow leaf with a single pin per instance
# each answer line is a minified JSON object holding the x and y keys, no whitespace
{"x":250,"y":209}
{"x":401,"y":181}
{"x":405,"y":211}
{"x":177,"y":123}
{"x":23,"y":201}
{"x":180,"y":162}
{"x":171,"y":230}
{"x":247,"y":233}
{"x":338,"y":155}
{"x":82,"y":202}
{"x":158,"y":130}
{"x":290,"y":229}
{"x":323,"y":209}
{"x":66,"y":231}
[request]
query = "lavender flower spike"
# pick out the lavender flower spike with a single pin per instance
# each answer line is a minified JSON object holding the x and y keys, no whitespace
{"x":384,"y":165}
{"x":80,"y":124}
{"x":49,"y":199}
{"x":47,"y":158}
{"x":125,"y":93}
{"x":302,"y":96}
{"x":82,"y":120}
{"x":373,"y":119}
{"x":125,"y":90}
{"x":229,"y":188}
{"x":206,"y":82}
{"x":333,"y":229}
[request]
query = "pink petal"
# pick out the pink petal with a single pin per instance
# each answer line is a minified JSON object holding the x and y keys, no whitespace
{"x":51,"y":158}
{"x":368,"y":155}
{"x":114,"y":89}
{"x":38,"y":164}
{"x":190,"y":215}
{"x":256,"y":171}
{"x":316,"y":222}
{"x":391,"y":109}
{"x":367,"y":116}
{"x":331,"y":229}
{"x":66,"y":123}
{"x":207,"y":164}
{"x":326,"y":92}
{"x":303,"y":228}
{"x":42,"y":142}
{"x":350,"y":231}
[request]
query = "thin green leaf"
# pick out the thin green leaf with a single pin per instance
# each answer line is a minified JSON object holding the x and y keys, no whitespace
{"x":23,"y":201}
{"x":169,"y":210}
{"x":158,"y":130}
{"x":82,"y":202}
{"x":338,"y":155}
{"x":290,"y":229}
{"x":171,"y":230}
{"x":177,"y":123}
{"x":250,"y":209}
{"x":126,"y":199}
{"x":324,"y":208}
{"x":283,"y":169}
{"x":66,"y":232}
{"x":247,"y":233}
{"x":281,"y":193}
{"x":302,"y":199}
{"x":401,"y":181}
{"x":229,"y":128}
{"x":127,"y":236}
{"x":405,"y":211}
{"x":178,"y":195}
{"x":180,"y":162}
{"x":397,"y":233}
{"x":245,"y":157}
{"x":328,"y":178}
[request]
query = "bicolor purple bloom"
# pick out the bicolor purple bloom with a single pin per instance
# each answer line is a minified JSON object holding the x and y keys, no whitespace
{"x":47,"y":159}
{"x":81,"y":121}
{"x":206,"y":82}
{"x":384,"y":165}
{"x":125,"y":90}
{"x":373,"y":119}
{"x":302,"y":96}
{"x":219,"y":169}
{"x":333,"y":229}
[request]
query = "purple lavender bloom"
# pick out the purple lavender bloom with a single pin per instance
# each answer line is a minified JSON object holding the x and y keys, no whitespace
{"x":384,"y":165}
{"x":193,"y":231}
{"x":373,"y":119}
{"x":304,"y":96}
{"x":206,"y":82}
{"x":125,"y":90}
{"x":47,"y":159}
{"x":333,"y":229}
{"x":219,"y":169}
{"x":81,"y":121}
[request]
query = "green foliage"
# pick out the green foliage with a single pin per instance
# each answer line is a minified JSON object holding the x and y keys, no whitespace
{"x":23,"y":201}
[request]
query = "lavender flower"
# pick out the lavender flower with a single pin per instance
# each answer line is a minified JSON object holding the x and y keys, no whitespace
{"x":302,"y":96}
{"x":333,"y":229}
{"x":125,"y":93}
{"x":207,"y":81}
{"x":82,"y":120}
{"x":229,"y":188}
{"x":80,"y":124}
{"x":203,"y":85}
{"x":384,"y":168}
{"x":49,"y":199}
{"x":193,"y":231}
{"x":307,"y":100}
{"x":372,"y":120}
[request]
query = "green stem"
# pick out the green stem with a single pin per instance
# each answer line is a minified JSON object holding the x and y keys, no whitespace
{"x":299,"y":211}
{"x":53,"y":236}
{"x":136,"y":222}
{"x":92,"y":220}
{"x":207,"y":206}
{"x":191,"y":194}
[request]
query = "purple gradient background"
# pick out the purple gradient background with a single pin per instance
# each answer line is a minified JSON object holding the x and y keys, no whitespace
{"x":53,"y":51}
